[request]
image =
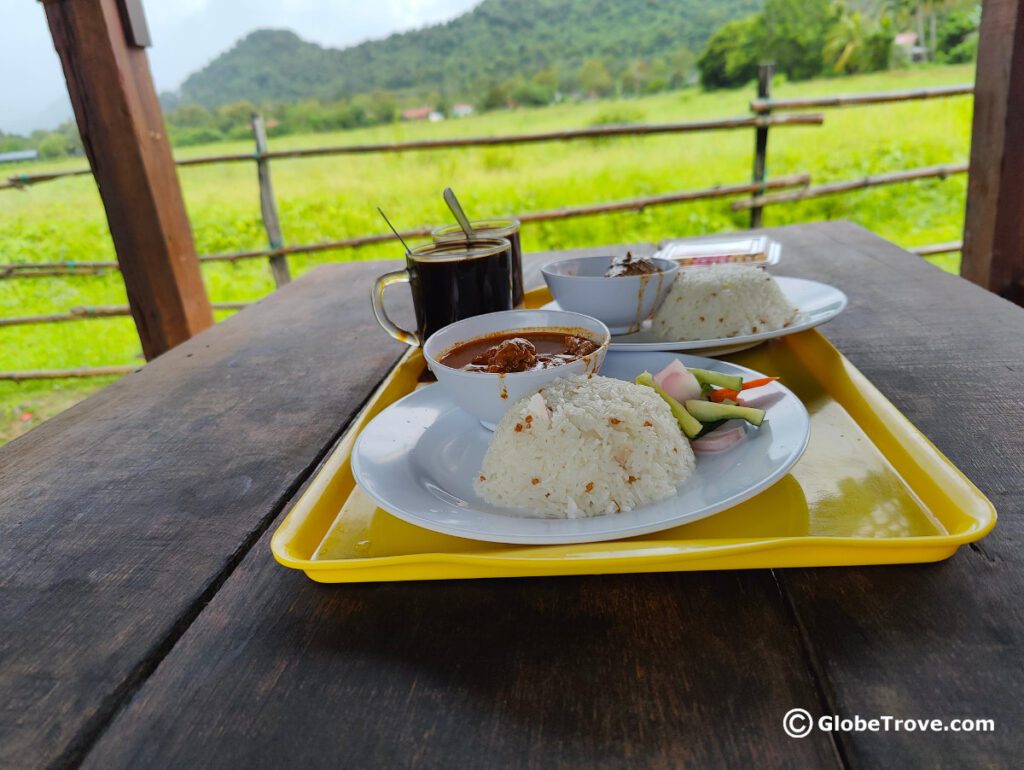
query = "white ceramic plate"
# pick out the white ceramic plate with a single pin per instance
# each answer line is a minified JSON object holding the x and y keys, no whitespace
{"x":419,"y":457}
{"x":816,"y":303}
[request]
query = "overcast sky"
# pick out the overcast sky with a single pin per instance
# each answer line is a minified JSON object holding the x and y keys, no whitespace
{"x":186,"y":35}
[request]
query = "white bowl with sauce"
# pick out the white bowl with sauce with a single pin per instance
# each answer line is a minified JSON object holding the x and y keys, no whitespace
{"x":488,"y":395}
{"x":623,"y":302}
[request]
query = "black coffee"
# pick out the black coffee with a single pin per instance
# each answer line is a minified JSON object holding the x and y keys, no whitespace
{"x":517,"y":268}
{"x":493,"y":228}
{"x":447,"y":287}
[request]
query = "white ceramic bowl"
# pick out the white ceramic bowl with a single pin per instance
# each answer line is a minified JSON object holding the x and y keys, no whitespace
{"x":623,"y":303}
{"x":487,"y":395}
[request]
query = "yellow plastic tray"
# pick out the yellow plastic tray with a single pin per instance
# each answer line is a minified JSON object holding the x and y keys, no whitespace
{"x":870,"y":489}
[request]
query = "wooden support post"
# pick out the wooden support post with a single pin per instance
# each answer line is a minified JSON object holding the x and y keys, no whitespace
{"x":765,"y":73}
{"x":993,"y":254}
{"x":268,"y":206}
{"x":125,"y":140}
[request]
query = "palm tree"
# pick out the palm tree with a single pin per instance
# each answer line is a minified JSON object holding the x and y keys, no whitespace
{"x":843,"y":40}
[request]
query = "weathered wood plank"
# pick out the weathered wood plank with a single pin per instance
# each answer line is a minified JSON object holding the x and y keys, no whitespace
{"x":119,"y":518}
{"x":428,"y":675}
{"x":666,"y":670}
{"x":942,"y":640}
{"x":264,"y":667}
{"x":125,"y":139}
{"x":993,"y":254}
{"x":933,"y":640}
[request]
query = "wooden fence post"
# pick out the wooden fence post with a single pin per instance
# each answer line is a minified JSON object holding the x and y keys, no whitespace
{"x":993,"y":254}
{"x":765,"y":72}
{"x":268,"y":206}
{"x":100,"y":48}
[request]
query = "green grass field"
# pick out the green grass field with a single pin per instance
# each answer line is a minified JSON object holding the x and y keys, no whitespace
{"x":331,"y":198}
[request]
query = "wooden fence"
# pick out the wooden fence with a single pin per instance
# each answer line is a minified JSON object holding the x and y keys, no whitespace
{"x":759,"y":190}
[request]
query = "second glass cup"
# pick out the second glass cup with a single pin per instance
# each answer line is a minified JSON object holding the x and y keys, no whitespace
{"x":491,"y":228}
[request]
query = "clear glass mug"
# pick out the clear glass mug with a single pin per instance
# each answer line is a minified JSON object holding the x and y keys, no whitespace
{"x":450,"y":280}
{"x":492,"y":228}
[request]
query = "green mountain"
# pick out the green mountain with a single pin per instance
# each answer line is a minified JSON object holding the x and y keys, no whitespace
{"x":494,"y":42}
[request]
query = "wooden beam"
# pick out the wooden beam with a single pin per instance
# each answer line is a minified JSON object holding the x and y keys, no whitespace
{"x":126,"y":142}
{"x":993,"y":254}
{"x":134,"y":21}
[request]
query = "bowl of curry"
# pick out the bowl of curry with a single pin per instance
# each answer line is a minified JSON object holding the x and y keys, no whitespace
{"x":620,"y":291}
{"x":488,"y":362}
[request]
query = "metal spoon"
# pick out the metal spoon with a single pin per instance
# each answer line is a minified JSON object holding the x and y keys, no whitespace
{"x":399,"y":237}
{"x":460,"y":215}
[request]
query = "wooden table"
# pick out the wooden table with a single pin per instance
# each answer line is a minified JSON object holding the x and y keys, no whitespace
{"x":143,"y":621}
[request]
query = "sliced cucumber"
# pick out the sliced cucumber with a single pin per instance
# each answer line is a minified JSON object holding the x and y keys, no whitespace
{"x":708,"y":411}
{"x":690,"y":426}
{"x":705,"y":377}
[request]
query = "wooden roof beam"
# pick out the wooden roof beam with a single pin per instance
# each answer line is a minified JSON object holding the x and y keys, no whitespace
{"x":100,"y":47}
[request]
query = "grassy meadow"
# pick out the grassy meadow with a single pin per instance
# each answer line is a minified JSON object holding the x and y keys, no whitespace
{"x":335,"y":197}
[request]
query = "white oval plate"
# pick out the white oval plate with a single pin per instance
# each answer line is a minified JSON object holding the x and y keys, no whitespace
{"x":419,"y":457}
{"x":816,"y":303}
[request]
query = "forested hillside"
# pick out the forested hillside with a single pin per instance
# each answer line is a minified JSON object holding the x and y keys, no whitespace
{"x":497,"y":41}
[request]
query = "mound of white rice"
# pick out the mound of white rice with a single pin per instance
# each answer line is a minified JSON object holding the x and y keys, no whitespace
{"x":707,"y":303}
{"x":585,"y":446}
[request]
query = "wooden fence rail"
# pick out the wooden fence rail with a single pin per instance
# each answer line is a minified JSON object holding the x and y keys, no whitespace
{"x":104,"y":311}
{"x":20,"y":270}
{"x":763,"y":105}
{"x":21,"y":181}
{"x":596,"y":132}
{"x":65,"y":374}
{"x":846,"y":185}
{"x":39,"y":269}
{"x":937,"y":248}
{"x":764,"y":118}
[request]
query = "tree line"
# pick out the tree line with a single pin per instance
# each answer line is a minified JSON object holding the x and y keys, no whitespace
{"x":812,"y":38}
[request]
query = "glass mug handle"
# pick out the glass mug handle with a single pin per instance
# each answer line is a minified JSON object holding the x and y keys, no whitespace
{"x":377,"y":298}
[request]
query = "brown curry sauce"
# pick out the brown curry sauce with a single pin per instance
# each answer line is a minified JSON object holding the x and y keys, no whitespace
{"x":518,"y":351}
{"x":630,"y":265}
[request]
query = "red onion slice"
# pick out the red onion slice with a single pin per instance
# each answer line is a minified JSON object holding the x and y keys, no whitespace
{"x":722,"y":437}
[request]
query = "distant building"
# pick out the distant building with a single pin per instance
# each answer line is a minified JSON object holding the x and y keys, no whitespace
{"x":907,"y":42}
{"x":11,"y":157}
{"x":417,"y":113}
{"x":435,"y":117}
{"x":461,"y":110}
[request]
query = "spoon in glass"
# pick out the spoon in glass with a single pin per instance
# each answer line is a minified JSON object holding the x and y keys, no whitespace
{"x":460,"y":215}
